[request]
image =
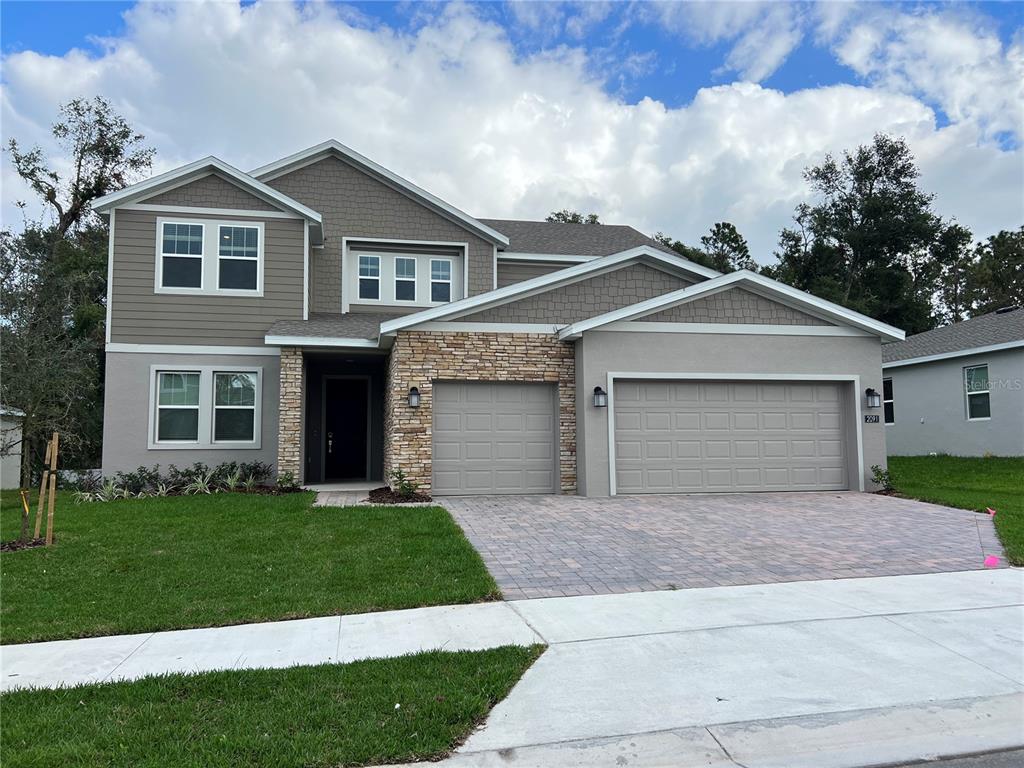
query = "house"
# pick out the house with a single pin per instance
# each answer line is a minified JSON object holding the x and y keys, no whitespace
{"x":328,"y":316}
{"x":958,"y":389}
{"x":10,"y":447}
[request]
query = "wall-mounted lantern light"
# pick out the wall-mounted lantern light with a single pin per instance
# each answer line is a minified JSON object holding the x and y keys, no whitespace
{"x":600,"y":398}
{"x":874,"y":400}
{"x":414,"y":398}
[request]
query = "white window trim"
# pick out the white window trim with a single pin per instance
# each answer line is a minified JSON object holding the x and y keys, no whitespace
{"x":259,"y":259}
{"x":891,"y":401}
{"x":448,"y":282}
{"x":968,"y":394}
{"x":198,"y":407}
{"x":160,"y":256}
{"x":206,"y":407}
{"x":255,"y":408}
{"x":360,"y":278}
{"x":350,"y":251}
{"x":210,"y":258}
{"x":413,"y":280}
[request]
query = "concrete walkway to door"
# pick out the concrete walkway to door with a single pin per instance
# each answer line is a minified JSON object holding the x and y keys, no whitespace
{"x":550,"y":546}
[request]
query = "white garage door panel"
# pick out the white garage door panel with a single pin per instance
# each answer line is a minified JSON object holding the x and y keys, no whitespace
{"x":494,"y":437}
{"x":723,"y":436}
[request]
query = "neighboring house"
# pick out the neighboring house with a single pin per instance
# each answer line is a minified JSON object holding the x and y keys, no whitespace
{"x":958,"y":389}
{"x":10,"y":447}
{"x":328,"y":316}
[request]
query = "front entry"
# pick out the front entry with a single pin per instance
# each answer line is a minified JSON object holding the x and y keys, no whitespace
{"x":346,"y":431}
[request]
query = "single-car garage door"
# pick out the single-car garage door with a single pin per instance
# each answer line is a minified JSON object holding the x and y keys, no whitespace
{"x":706,"y":436}
{"x":494,"y":437}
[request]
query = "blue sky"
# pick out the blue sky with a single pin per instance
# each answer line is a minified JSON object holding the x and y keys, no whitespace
{"x":665,"y":116}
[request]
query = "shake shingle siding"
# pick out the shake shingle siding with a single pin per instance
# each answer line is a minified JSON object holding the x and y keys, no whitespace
{"x":211,"y":192}
{"x":734,"y":306}
{"x":356,"y":205}
{"x":141,"y":316}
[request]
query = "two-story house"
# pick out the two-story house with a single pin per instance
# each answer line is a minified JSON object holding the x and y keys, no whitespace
{"x":324,"y":314}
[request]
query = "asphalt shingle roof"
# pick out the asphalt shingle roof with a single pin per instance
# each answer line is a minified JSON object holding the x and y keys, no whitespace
{"x":571,"y":239}
{"x":982,"y":331}
{"x":353,"y":325}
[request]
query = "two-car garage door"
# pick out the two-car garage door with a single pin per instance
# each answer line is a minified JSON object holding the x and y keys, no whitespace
{"x":707,"y":436}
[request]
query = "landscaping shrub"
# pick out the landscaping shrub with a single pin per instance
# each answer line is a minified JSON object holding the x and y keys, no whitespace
{"x":144,"y":482}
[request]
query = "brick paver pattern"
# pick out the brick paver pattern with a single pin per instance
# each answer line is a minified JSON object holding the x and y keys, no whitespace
{"x":548,"y":546}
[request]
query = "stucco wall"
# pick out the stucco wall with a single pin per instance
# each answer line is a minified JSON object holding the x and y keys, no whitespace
{"x":930,"y":408}
{"x":127,"y":412}
{"x":10,"y":465}
{"x":599,"y":352}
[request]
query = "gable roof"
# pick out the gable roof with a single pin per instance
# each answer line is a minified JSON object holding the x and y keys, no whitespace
{"x":529,"y":238}
{"x":751,"y":281}
{"x":323,"y":329}
{"x":334,"y":148}
{"x":200,"y":169}
{"x":543,"y":283}
{"x":1002,"y":329}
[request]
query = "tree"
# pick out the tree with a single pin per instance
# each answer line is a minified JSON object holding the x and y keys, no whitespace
{"x":696,"y":255}
{"x":565,"y":216}
{"x":999,"y":272}
{"x":727,"y":249}
{"x":53,"y":276}
{"x":957,"y":262}
{"x":866,"y":242}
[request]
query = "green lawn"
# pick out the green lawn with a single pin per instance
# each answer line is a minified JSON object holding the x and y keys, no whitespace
{"x":196,"y":561}
{"x":327,"y":715}
{"x":969,"y":483}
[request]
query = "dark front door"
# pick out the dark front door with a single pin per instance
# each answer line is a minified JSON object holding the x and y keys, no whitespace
{"x":346,"y":428}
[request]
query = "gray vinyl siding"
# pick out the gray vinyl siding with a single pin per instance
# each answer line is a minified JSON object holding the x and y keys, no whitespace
{"x":211,"y":191}
{"x":510,"y":272}
{"x":139,"y":315}
{"x":353,"y":205}
{"x":734,"y":306}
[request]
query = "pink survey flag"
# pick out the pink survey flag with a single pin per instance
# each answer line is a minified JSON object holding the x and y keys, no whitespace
{"x":991,"y":561}
{"x":991,"y":512}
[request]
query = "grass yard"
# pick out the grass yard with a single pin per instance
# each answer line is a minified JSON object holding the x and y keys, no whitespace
{"x":327,"y":715}
{"x":171,"y":563}
{"x":969,"y":483}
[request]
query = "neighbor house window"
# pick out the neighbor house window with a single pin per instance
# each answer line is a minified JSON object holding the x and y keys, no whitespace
{"x":887,"y":406}
{"x":181,"y":255}
{"x":405,"y":279}
{"x":238,"y":258}
{"x":234,"y":406}
{"x":976,"y":390}
{"x":440,"y":280}
{"x":369,"y":277}
{"x":177,"y":417}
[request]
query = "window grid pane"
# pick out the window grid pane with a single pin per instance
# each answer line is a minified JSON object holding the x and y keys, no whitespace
{"x":369,"y":288}
{"x":978,"y":406}
{"x":977,"y":379}
{"x":440,"y":270}
{"x":179,"y":389}
{"x":183,"y":239}
{"x":405,"y":268}
{"x":239,"y":242}
{"x":236,"y":389}
{"x":234,"y":424}
{"x":369,"y":266}
{"x":440,"y":292}
{"x":237,"y":274}
{"x":178,"y":424}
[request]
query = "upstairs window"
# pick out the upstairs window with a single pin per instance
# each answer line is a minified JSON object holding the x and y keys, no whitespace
{"x":178,"y":407}
{"x":887,"y":401}
{"x":181,"y":255}
{"x":440,"y":280}
{"x":405,"y":279}
{"x":238,"y":258}
{"x":369,"y":277}
{"x":976,"y":390}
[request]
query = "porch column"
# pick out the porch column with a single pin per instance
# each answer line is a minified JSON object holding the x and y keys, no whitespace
{"x":289,"y":434}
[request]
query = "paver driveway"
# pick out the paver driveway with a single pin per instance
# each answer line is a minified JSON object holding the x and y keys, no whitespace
{"x":544,"y":546}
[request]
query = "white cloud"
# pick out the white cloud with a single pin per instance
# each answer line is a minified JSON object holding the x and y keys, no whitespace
{"x":453,"y":107}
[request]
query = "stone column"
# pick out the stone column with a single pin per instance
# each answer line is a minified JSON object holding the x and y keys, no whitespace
{"x":289,"y":436}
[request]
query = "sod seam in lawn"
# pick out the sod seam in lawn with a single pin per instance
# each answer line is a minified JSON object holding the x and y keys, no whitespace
{"x":196,"y":561}
{"x":325,"y":715}
{"x":967,"y":482}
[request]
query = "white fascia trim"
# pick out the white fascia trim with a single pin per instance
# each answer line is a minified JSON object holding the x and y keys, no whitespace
{"x":320,"y":341}
{"x":494,"y":269}
{"x":178,"y":209}
{"x":110,"y":273}
{"x":639,"y":326}
{"x":305,"y":271}
{"x":559,"y":257}
{"x":457,"y":327}
{"x":306,"y":156}
{"x":191,"y":349}
{"x":958,"y":353}
{"x":774,"y":289}
{"x":542,"y":283}
{"x":612,"y":376}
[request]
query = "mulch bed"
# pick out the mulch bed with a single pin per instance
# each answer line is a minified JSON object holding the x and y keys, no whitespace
{"x":14,"y":546}
{"x":387,"y":496}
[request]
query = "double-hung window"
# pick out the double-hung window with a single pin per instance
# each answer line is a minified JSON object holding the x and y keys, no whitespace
{"x":976,"y":390}
{"x":177,"y":414}
{"x":369,"y":277}
{"x":206,"y":406}
{"x":238,"y":251}
{"x":440,"y":280}
{"x":887,"y":402}
{"x":181,"y":255}
{"x":234,"y":406}
{"x":405,"y":279}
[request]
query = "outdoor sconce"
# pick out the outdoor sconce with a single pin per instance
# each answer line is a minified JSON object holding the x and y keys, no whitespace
{"x":874,"y":399}
{"x":600,"y":398}
{"x":414,"y":398}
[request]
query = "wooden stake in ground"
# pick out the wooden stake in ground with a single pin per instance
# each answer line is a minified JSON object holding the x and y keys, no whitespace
{"x":53,"y":491}
{"x":42,"y":489}
{"x":23,"y":536}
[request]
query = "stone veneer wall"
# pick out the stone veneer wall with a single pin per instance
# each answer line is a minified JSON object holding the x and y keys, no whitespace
{"x":289,"y":435}
{"x":419,"y":358}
